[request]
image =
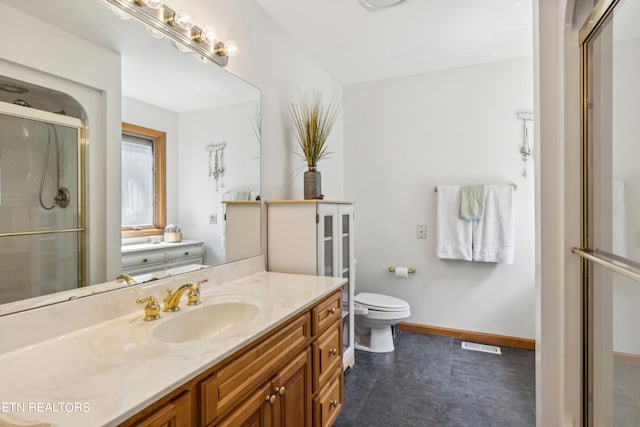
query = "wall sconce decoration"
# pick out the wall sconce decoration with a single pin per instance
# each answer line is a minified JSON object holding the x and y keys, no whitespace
{"x":162,"y":20}
{"x":525,"y":148}
{"x":216,"y":163}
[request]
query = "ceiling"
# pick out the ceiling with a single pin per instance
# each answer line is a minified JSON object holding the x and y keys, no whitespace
{"x":355,"y":45}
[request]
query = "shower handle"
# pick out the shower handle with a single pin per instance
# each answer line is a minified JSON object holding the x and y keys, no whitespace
{"x":63,"y":198}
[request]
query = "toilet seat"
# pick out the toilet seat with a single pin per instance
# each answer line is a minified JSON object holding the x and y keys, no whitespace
{"x":381,"y":303}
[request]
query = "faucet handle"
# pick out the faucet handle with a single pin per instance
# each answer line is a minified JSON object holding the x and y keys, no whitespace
{"x":152,"y":309}
{"x":194,"y":296}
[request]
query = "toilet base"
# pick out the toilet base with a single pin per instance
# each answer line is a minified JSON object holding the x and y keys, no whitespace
{"x":379,"y":340}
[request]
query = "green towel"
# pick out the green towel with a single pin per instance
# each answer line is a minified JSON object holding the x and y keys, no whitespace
{"x":472,"y":202}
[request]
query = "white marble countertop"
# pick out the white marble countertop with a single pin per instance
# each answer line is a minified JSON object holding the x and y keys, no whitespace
{"x":107,"y":372}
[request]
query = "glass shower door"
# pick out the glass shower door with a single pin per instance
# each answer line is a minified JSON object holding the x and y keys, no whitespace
{"x":611,"y":215}
{"x":41,"y":224}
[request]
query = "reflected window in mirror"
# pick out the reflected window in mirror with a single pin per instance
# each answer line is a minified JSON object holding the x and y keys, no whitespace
{"x":143,"y":181}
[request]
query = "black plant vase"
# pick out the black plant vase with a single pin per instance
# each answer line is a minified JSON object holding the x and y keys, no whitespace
{"x":312,"y":184}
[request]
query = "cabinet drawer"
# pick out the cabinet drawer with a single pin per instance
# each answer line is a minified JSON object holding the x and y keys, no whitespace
{"x":326,"y":313}
{"x":184,"y":252}
{"x":328,"y":404}
{"x":175,"y":413}
{"x":327,"y":354}
{"x":142,"y":259}
{"x":234,"y":381}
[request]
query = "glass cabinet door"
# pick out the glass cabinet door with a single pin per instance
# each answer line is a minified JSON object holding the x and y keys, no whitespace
{"x":327,"y":242}
{"x":347,"y":271}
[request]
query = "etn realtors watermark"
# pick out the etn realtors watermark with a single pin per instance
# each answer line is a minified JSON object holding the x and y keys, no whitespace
{"x":45,"y":407}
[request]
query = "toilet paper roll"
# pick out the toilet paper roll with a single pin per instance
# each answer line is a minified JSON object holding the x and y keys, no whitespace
{"x":402,"y":272}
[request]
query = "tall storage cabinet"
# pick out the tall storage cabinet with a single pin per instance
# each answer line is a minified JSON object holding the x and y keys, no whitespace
{"x":315,"y":237}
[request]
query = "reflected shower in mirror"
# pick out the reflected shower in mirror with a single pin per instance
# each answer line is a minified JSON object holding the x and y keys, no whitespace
{"x":195,"y":103}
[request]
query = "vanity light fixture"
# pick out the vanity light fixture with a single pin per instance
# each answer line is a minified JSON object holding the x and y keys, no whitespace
{"x":162,"y":20}
{"x":153,"y":4}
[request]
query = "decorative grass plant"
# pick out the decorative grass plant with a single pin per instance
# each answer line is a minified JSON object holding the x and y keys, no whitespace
{"x":313,"y":119}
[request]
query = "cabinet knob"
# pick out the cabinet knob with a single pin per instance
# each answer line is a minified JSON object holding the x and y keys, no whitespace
{"x":333,"y":404}
{"x":271,"y":400}
{"x":333,"y":351}
{"x":186,"y":254}
{"x":281,"y":391}
{"x":332,"y":311}
{"x":145,"y":260}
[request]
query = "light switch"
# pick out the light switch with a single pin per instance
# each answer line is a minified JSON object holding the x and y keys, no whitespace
{"x":213,"y":218}
{"x":421,"y":231}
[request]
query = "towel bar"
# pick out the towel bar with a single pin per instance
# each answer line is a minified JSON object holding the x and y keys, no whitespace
{"x":513,"y":184}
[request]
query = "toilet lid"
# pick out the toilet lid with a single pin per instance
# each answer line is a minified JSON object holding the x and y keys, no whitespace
{"x":381,"y":302}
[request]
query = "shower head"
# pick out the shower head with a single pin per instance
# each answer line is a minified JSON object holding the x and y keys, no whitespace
{"x":8,"y":87}
{"x":22,"y":103}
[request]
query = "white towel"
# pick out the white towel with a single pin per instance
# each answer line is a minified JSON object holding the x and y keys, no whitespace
{"x":494,"y":236}
{"x":454,"y":234}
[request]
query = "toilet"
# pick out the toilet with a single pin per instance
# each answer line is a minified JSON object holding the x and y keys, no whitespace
{"x":375,"y":314}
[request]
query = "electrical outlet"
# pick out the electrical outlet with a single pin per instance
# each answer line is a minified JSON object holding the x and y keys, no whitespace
{"x":213,"y":218}
{"x":421,"y":231}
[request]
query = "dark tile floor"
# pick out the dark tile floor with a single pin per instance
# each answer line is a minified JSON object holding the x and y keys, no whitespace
{"x":431,"y":381}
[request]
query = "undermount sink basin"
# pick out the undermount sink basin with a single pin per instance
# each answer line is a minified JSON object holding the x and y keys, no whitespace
{"x":210,"y":321}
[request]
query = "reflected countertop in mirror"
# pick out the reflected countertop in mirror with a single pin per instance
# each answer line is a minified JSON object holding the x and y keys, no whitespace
{"x":197,"y":103}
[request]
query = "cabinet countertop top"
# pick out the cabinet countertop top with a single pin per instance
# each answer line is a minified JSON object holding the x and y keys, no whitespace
{"x":104,"y":374}
{"x":139,"y":247}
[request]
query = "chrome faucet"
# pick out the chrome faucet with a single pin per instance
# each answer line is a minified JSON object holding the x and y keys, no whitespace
{"x":125,"y":278}
{"x":172,"y":301}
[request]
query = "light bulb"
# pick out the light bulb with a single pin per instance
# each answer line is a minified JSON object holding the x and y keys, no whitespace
{"x":209,"y":34}
{"x":183,"y":20}
{"x":231,"y":48}
{"x":204,"y":35}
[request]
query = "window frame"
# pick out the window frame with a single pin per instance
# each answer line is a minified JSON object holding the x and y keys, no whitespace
{"x":159,"y":139}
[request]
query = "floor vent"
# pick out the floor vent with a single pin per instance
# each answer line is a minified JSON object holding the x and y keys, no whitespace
{"x":481,"y":347}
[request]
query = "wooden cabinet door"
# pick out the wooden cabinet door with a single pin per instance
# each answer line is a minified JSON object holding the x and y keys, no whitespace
{"x":255,"y":411}
{"x":176,"y":413}
{"x":292,"y":386}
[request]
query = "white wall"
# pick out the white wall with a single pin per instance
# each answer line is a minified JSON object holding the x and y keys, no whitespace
{"x":405,"y":136}
{"x":150,"y":116}
{"x":198,"y":197}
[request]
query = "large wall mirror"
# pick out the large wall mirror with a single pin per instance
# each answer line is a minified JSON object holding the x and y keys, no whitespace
{"x":210,"y":122}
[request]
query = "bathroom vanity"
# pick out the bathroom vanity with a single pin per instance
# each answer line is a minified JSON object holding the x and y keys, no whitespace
{"x":142,"y":258}
{"x":268,"y":353}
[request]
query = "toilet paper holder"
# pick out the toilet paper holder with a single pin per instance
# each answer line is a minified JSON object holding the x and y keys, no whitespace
{"x":392,"y":269}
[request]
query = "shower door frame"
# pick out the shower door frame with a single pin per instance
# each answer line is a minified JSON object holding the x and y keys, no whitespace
{"x":590,"y":257}
{"x":80,"y":126}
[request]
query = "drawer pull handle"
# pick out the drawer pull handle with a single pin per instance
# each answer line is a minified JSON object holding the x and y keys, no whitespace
{"x":186,"y":254}
{"x":270,"y":399}
{"x":145,"y":260}
{"x":333,"y":351}
{"x":280,"y":390}
{"x":332,"y":311}
{"x":333,"y":404}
